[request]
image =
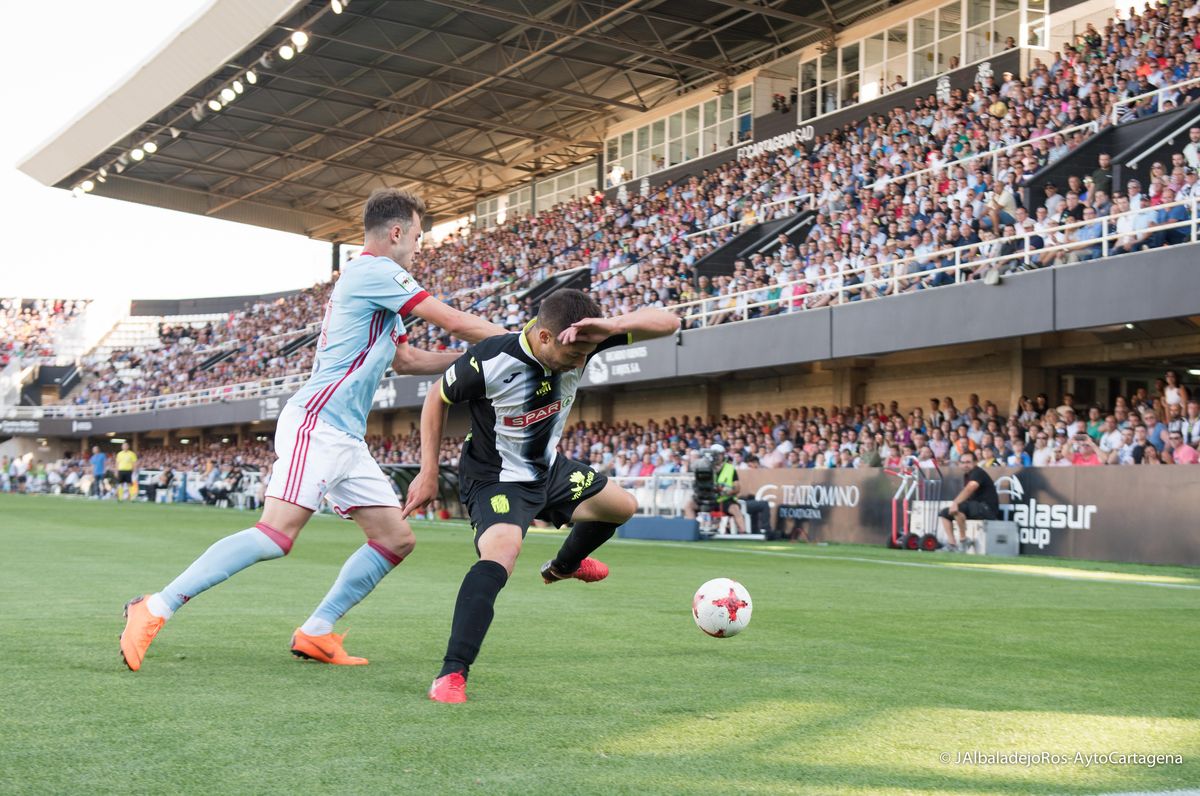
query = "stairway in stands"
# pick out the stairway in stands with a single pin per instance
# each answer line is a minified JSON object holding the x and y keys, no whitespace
{"x":758,"y":239}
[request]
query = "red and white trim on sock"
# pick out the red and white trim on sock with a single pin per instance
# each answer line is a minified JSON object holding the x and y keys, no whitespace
{"x":283,"y":541}
{"x":388,"y":555}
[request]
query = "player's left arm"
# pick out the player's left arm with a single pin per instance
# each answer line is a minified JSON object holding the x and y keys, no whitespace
{"x":644,"y":324}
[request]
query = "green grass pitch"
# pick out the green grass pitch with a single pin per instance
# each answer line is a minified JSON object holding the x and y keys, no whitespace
{"x":856,"y":675}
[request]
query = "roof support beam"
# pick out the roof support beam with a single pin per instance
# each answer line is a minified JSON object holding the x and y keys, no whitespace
{"x":449,"y":117}
{"x":582,"y":35}
{"x":243,"y":146}
{"x":409,"y":56}
{"x":304,"y":126}
{"x":416,"y":117}
{"x":768,"y":11}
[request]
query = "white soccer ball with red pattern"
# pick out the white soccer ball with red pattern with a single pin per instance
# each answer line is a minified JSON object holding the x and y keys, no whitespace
{"x":722,"y":608}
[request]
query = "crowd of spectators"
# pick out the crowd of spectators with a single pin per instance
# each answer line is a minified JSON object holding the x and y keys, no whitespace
{"x":1146,"y":428}
{"x":877,"y":227}
{"x":251,"y":339}
{"x":28,"y":326}
{"x":1140,"y":429}
{"x":886,"y":192}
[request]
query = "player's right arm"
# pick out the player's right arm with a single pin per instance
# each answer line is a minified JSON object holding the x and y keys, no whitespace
{"x":394,"y":288}
{"x":463,"y":381}
{"x":460,"y":324}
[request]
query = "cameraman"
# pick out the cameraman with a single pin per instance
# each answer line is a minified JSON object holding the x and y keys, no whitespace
{"x":725,"y":481}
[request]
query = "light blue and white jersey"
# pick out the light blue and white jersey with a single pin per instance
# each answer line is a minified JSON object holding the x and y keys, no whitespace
{"x":363,"y":324}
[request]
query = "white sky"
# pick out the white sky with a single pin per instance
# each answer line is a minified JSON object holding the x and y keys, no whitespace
{"x":57,"y":59}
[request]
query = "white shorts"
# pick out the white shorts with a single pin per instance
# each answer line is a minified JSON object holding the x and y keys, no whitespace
{"x":318,"y":461}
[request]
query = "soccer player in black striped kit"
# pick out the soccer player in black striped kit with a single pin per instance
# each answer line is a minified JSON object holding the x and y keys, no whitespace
{"x":520,"y":388}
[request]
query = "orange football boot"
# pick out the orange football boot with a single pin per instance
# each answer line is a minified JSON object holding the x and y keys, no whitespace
{"x":141,"y":627}
{"x":323,"y":649}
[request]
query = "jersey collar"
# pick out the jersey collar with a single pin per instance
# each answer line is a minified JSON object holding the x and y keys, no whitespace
{"x":525,"y":345}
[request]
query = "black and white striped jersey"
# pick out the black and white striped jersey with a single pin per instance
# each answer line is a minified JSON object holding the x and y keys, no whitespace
{"x":518,"y":407}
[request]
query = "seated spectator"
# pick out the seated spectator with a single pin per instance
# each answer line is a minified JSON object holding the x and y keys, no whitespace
{"x":1179,"y":450}
{"x":1085,"y":452}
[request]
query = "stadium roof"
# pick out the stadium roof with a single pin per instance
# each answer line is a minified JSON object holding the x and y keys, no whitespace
{"x":455,"y":98}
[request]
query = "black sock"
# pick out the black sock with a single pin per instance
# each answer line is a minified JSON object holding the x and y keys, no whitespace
{"x":473,"y":613}
{"x":583,"y":540}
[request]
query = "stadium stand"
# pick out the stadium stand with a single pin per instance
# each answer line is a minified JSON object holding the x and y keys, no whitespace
{"x":1142,"y":428}
{"x":919,"y":197}
{"x":28,"y":326}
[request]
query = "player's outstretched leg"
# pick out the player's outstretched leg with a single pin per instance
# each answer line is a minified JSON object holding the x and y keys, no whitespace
{"x":389,"y":541}
{"x":499,"y":547}
{"x":595,"y":521}
{"x":270,"y":538}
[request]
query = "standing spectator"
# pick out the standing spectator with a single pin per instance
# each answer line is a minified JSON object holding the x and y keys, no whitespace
{"x":1173,"y":394}
{"x":1191,"y":152}
{"x":1102,"y":175}
{"x":99,"y":463}
{"x":126,"y":462}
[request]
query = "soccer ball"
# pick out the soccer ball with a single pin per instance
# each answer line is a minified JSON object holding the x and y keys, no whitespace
{"x":721,"y":608}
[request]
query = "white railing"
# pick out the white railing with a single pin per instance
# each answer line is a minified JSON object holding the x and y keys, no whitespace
{"x":236,"y":342}
{"x":993,"y":154}
{"x":753,"y":221}
{"x":261,"y":388}
{"x":738,"y":306}
{"x":1143,"y":97}
{"x":632,"y":269}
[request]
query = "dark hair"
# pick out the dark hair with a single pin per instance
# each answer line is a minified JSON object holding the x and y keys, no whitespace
{"x":387,"y":206}
{"x":564,"y":307}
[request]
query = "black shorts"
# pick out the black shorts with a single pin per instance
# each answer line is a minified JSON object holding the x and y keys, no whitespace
{"x":973,"y":509}
{"x":124,"y":476}
{"x":554,"y":499}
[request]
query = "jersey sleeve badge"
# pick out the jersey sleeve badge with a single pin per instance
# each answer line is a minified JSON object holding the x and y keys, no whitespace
{"x":406,"y":282}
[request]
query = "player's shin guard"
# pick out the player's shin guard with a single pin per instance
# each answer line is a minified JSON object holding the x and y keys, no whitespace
{"x":473,"y":613}
{"x":226,"y":557}
{"x":360,"y":574}
{"x":582,"y":541}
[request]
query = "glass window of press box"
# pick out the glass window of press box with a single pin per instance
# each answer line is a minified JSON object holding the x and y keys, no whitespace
{"x":571,"y":184}
{"x":707,"y":127}
{"x":930,"y":44}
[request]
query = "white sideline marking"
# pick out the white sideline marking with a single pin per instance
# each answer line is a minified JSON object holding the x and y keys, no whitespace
{"x":943,"y":566}
{"x":981,"y":567}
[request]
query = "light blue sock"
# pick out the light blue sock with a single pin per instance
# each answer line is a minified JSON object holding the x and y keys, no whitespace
{"x":225,"y":558}
{"x":360,"y":574}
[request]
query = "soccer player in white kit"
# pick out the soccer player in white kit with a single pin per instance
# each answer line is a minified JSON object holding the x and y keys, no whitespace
{"x":319,"y":438}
